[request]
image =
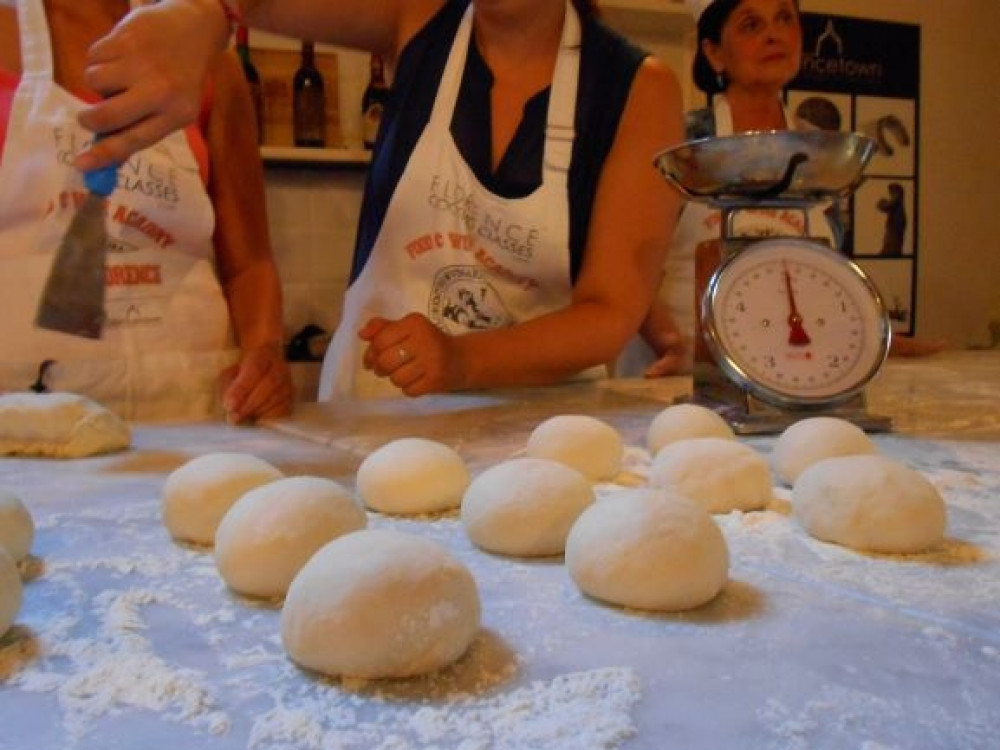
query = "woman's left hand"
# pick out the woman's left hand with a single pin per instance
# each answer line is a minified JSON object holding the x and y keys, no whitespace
{"x":258,"y":386}
{"x":412,"y":352}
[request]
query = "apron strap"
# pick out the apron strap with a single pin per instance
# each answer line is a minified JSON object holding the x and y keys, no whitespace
{"x":36,"y":43}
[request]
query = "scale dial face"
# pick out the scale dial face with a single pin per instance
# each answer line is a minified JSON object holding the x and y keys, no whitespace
{"x":795,"y":323}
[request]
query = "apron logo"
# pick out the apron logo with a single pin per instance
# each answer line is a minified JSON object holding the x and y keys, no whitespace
{"x":463,"y":300}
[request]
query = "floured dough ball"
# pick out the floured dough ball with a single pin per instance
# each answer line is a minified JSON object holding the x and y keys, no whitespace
{"x":525,"y":506}
{"x":648,"y":549}
{"x":869,"y":503}
{"x":592,"y":447}
{"x":17,"y":529}
{"x":61,"y":425}
{"x":685,"y":421}
{"x":720,"y":474}
{"x":810,"y":440}
{"x":273,"y":530}
{"x":379,"y":603}
{"x":410,"y":476}
{"x":10,"y":591}
{"x":197,"y":495}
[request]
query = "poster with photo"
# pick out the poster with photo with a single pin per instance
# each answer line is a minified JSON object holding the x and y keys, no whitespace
{"x":860,"y":75}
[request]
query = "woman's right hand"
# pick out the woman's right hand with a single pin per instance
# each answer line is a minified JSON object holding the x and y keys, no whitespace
{"x":151,"y":69}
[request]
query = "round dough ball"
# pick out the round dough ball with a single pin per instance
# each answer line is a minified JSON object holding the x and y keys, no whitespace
{"x":525,"y":506}
{"x":10,"y":591}
{"x":17,"y":529}
{"x":685,"y":421}
{"x":410,"y":476}
{"x":869,"y":503}
{"x":197,"y":495}
{"x":379,"y":603}
{"x":592,"y":447}
{"x":271,"y":532}
{"x":811,"y":440}
{"x":720,"y":474}
{"x":648,"y":549}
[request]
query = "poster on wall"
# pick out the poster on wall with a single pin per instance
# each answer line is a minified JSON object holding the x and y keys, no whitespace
{"x":864,"y":76}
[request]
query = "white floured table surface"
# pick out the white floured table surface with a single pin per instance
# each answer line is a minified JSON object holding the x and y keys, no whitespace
{"x":127,"y":640}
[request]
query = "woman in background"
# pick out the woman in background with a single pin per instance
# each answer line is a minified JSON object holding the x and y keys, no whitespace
{"x":188,"y":258}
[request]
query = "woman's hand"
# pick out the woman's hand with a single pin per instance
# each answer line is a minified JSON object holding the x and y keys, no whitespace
{"x":413,"y":353}
{"x":258,"y":386}
{"x":151,"y":69}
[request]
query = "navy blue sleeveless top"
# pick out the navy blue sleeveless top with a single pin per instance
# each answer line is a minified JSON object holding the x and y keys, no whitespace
{"x":608,"y":64}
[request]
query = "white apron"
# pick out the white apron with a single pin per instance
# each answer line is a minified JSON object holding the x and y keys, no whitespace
{"x":700,"y":223}
{"x":449,"y":248}
{"x":167,"y":333}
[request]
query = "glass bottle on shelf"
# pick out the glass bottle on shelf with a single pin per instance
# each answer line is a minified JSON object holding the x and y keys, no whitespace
{"x":308,"y":102}
{"x":373,"y":101}
{"x":252,"y":78}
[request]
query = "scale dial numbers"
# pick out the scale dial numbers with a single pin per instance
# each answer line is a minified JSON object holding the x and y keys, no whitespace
{"x":795,"y":323}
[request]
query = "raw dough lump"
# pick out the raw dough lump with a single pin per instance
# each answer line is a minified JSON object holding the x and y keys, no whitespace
{"x":684,"y":421}
{"x":61,"y":425}
{"x":410,"y":476}
{"x":379,"y":603}
{"x":525,"y":506}
{"x":811,"y":440}
{"x":592,"y":447}
{"x":272,"y":531}
{"x":197,"y":495}
{"x":10,"y":591}
{"x":869,"y":503}
{"x":17,"y":528}
{"x":648,"y":549}
{"x":720,"y":474}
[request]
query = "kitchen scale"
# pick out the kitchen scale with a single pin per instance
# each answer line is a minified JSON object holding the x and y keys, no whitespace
{"x":795,"y":328}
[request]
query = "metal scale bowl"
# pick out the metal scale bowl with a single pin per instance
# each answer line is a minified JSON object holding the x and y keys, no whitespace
{"x":795,"y":328}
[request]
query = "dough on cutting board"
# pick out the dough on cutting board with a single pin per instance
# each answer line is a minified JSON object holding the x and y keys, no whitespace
{"x":592,"y":447}
{"x":869,"y":503}
{"x":525,"y":506}
{"x":410,"y":476}
{"x":379,"y":603}
{"x":60,"y":425}
{"x":17,"y":528}
{"x":648,"y":549}
{"x":685,"y":421}
{"x":720,"y":474}
{"x":809,"y":441}
{"x":197,"y":495}
{"x":10,"y":591}
{"x":271,"y":532}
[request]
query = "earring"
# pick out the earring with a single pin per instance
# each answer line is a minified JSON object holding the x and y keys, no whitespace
{"x":720,"y":80}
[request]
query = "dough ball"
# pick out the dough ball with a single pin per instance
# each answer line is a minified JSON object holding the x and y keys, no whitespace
{"x":379,"y":603}
{"x":273,"y":530}
{"x":720,"y":474}
{"x":17,"y":529}
{"x":410,"y":476}
{"x":197,"y":495}
{"x":60,"y":425}
{"x":869,"y":503}
{"x":592,"y":447}
{"x":648,"y":549}
{"x":684,"y":421}
{"x":10,"y":591}
{"x":525,"y":506}
{"x":810,"y":440}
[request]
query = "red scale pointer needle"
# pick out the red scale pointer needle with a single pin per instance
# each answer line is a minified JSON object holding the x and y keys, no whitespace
{"x":797,"y":335}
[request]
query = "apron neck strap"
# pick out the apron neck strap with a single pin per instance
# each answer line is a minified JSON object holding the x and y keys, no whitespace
{"x":36,"y":42}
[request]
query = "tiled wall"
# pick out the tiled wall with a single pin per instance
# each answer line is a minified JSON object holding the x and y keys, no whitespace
{"x":313,"y":216}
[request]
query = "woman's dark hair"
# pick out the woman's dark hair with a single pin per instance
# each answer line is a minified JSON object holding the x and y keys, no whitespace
{"x":710,"y":27}
{"x":585,"y":7}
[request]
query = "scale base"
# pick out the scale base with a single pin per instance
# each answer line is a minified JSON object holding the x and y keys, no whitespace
{"x":748,"y":415}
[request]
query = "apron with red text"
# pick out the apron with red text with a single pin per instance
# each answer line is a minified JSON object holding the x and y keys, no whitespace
{"x":452,"y":250}
{"x":167,"y":332}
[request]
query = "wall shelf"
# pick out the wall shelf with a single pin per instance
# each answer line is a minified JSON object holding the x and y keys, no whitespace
{"x":298,"y":157}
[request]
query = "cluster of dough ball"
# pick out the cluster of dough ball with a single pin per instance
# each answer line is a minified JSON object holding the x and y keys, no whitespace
{"x":357,"y":602}
{"x":17,"y":533}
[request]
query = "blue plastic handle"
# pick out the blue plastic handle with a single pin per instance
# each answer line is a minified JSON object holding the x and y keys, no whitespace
{"x":101,"y":181}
